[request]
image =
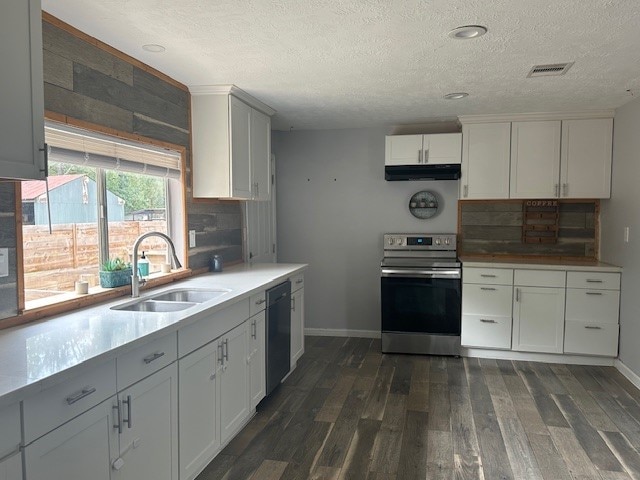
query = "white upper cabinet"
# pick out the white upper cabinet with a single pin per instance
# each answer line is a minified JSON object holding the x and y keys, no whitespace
{"x":585,"y":167}
{"x":434,"y":149}
{"x":535,"y":159}
{"x":486,"y":150}
{"x":231,"y":139}
{"x":22,"y":101}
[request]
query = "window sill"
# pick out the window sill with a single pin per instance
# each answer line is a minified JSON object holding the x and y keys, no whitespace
{"x":66,"y":302}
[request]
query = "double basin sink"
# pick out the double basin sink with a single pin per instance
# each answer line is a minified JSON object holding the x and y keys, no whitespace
{"x":172,"y":300}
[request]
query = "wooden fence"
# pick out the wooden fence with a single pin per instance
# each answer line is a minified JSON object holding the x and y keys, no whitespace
{"x":54,"y":261}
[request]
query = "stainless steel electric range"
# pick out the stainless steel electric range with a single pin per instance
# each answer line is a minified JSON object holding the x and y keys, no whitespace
{"x":420,"y":294}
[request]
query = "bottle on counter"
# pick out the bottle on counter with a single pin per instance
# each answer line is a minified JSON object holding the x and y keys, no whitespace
{"x":143,"y":266}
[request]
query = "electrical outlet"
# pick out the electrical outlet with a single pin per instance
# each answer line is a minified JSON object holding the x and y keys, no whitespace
{"x":4,"y":262}
{"x":192,"y":239}
{"x":626,"y":234}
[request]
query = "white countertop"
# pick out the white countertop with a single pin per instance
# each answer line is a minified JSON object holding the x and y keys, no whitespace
{"x":35,"y":356}
{"x":540,"y":264}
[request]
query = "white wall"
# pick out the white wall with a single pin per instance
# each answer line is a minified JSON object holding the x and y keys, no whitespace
{"x":333,"y":207}
{"x":624,"y":210}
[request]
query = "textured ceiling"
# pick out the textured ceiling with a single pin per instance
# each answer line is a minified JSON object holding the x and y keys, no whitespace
{"x":358,"y":63}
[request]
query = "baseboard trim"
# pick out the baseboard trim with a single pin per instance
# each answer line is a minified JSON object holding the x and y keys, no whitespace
{"x":538,"y":357}
{"x":627,"y":372}
{"x":336,"y":332}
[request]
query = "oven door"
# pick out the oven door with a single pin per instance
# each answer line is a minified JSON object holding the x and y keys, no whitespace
{"x":421,"y":301}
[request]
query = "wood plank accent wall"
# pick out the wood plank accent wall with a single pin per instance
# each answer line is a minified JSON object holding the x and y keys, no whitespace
{"x":494,"y":228}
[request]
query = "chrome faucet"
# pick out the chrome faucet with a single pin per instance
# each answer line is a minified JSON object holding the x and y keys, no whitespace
{"x":135,"y":280}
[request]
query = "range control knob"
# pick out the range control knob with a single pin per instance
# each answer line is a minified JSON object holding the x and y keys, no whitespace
{"x":438,"y":241}
{"x":447,"y":241}
{"x":390,"y":241}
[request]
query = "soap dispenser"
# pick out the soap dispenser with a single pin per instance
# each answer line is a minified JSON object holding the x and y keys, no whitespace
{"x":143,"y":266}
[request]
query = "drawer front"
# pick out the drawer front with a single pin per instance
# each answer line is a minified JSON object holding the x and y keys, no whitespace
{"x":10,"y":428}
{"x":487,"y":299}
{"x":257,"y":303}
{"x":297,"y":282}
{"x":599,"y":306}
{"x":603,"y":281}
{"x":54,"y":406}
{"x":488,"y":276}
{"x":143,"y":361}
{"x":204,"y":331}
{"x":486,"y":331}
{"x":591,"y":338}
{"x":539,"y":278}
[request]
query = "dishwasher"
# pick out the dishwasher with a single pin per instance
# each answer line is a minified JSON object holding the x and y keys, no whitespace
{"x":278,"y":334}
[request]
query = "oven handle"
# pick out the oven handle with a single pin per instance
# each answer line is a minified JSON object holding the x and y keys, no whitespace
{"x":405,"y":273}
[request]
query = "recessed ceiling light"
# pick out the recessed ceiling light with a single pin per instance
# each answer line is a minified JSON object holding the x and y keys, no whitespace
{"x":468,"y":31}
{"x":456,"y":96}
{"x":153,"y":48}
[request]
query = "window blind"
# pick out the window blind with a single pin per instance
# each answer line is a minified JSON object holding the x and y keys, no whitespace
{"x":80,"y":147}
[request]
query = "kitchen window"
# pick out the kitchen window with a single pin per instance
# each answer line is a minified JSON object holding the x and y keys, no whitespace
{"x":101,"y":193}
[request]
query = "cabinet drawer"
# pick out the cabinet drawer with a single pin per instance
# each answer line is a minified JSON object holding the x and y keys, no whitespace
{"x":143,"y":361}
{"x":297,"y":282}
{"x":604,"y":281}
{"x":487,"y":299}
{"x":257,"y":303}
{"x":486,"y":331}
{"x":591,"y":338}
{"x":54,"y":406}
{"x":10,"y":428}
{"x":489,"y":276}
{"x":539,"y":278}
{"x":600,"y":306}
{"x":204,"y":331}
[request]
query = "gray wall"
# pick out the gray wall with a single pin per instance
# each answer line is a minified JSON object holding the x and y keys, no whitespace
{"x":333,"y":205}
{"x":621,"y":211}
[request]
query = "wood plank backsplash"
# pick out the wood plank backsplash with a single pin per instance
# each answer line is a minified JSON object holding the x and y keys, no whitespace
{"x":494,"y":227}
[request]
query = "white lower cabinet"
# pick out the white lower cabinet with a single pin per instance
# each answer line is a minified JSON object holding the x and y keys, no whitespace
{"x":538,"y":319}
{"x":257,"y":359}
{"x":10,"y":441}
{"x":11,"y":467}
{"x":297,"y":326}
{"x":83,"y":448}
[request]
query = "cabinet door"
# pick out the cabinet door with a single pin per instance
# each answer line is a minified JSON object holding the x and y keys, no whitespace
{"x":585,"y":167}
{"x":11,"y":468}
{"x":260,"y":155}
{"x":442,"y":148}
{"x":538,"y":319}
{"x":486,"y":153}
{"x":80,"y":449}
{"x":297,"y":326}
{"x":257,"y":362}
{"x":240,"y":150}
{"x":21,"y":83}
{"x":234,"y":382}
{"x":199,"y":405}
{"x":535,"y":159}
{"x":403,"y":150}
{"x":148,"y":442}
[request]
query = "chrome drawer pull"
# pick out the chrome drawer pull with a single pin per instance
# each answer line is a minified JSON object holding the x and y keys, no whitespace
{"x":484,"y":320}
{"x":590,"y":327}
{"x":593,"y":280}
{"x":298,"y":282}
{"x":154,"y":356}
{"x":13,"y":452}
{"x":487,"y":276}
{"x":85,"y":392}
{"x":261,"y":301}
{"x":487,"y":288}
{"x":593,"y":293}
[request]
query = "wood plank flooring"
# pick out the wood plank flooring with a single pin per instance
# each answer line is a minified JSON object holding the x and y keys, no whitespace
{"x":350,"y":412}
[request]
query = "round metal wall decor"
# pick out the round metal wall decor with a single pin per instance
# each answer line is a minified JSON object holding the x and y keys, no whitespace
{"x":423,"y":204}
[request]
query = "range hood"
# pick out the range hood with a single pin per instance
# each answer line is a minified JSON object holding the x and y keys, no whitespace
{"x":449,"y":171}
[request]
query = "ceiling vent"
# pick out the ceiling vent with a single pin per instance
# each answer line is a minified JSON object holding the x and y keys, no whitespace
{"x":554,"y":69}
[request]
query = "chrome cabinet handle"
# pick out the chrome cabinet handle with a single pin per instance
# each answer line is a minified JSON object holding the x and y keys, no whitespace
{"x":226,"y":350}
{"x":13,"y":452}
{"x":591,"y":327}
{"x":221,"y":353}
{"x":593,"y":280}
{"x":565,"y":189}
{"x":484,"y":320}
{"x":118,"y":424}
{"x":260,"y":302}
{"x":85,"y":392}
{"x":593,"y":293}
{"x":254,"y":329}
{"x":293,"y":303}
{"x":487,"y":276}
{"x":487,"y":288}
{"x":465,"y":191}
{"x":299,"y":281}
{"x":154,"y":356}
{"x":420,"y":156}
{"x":128,"y":420}
{"x":517,"y":294}
{"x":426,"y":155}
{"x":257,"y":189}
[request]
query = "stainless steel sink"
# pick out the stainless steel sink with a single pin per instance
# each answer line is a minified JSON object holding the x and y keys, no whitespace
{"x":154,"y":306}
{"x":189,"y":295}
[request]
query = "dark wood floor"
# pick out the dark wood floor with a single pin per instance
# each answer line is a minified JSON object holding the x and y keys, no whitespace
{"x":349,"y":412}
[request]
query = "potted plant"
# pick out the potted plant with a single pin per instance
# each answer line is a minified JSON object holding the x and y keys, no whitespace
{"x":115,"y":273}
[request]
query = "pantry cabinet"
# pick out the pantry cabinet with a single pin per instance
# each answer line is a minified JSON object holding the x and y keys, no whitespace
{"x":22,"y":101}
{"x":435,"y":149}
{"x":231,"y":133}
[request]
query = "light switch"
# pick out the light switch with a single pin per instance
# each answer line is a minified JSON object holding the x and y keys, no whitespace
{"x":4,"y":262}
{"x":192,"y":238}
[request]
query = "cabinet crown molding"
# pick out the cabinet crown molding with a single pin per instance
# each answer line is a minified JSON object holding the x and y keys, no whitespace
{"x":531,"y":117}
{"x":236,"y":92}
